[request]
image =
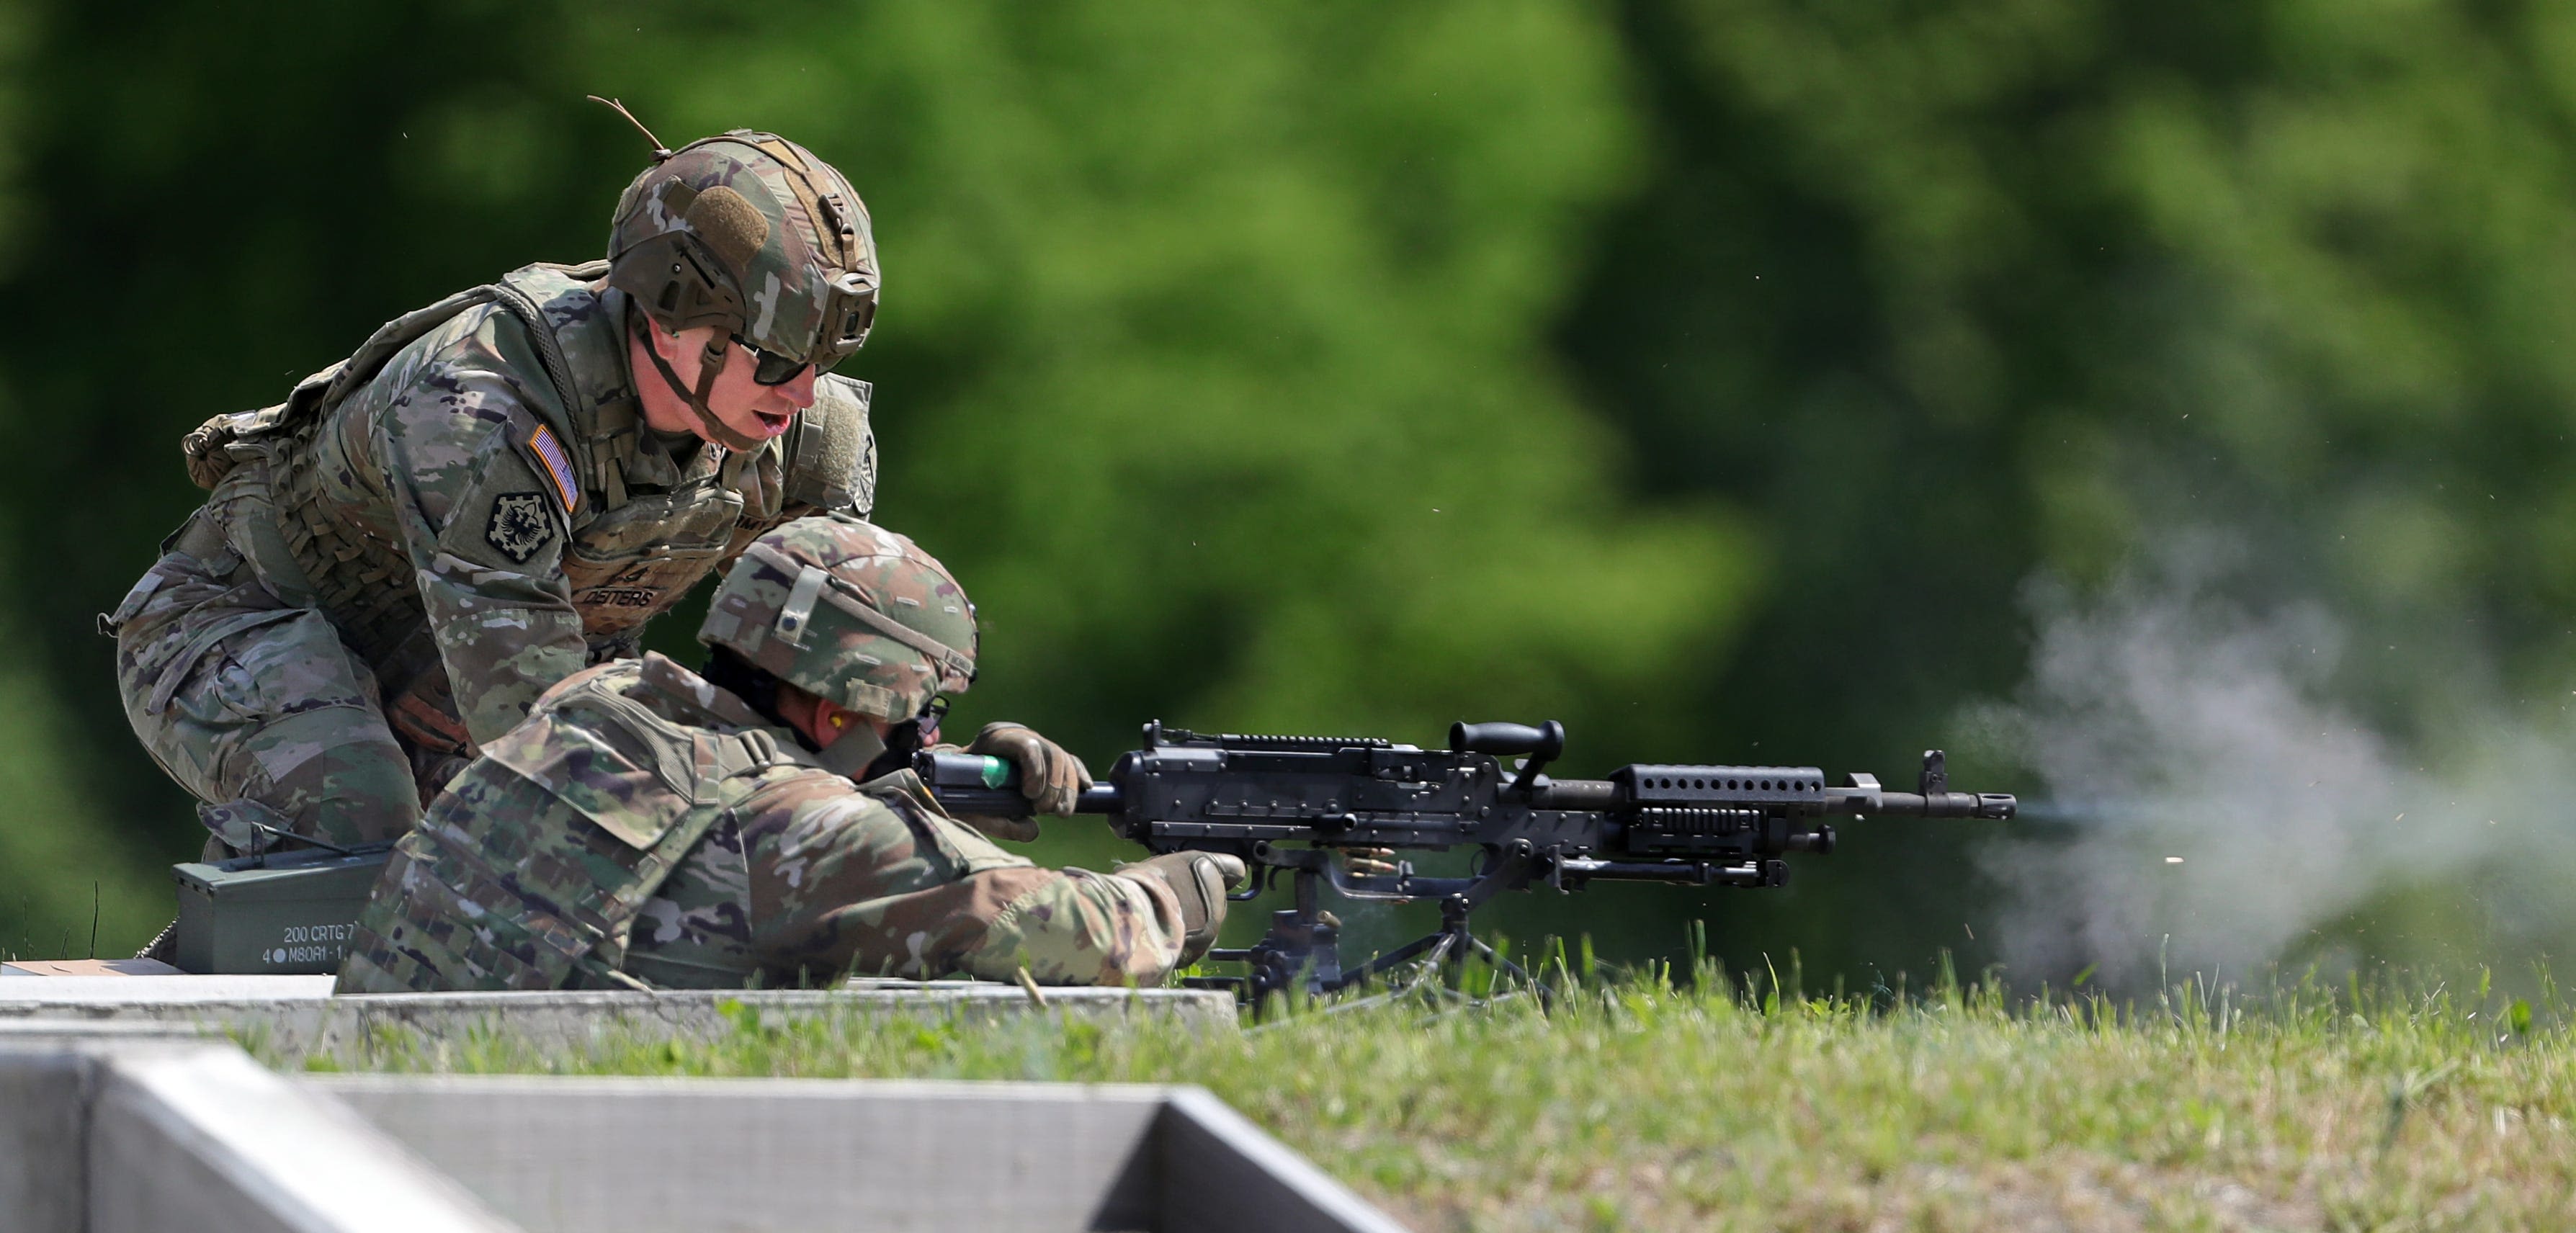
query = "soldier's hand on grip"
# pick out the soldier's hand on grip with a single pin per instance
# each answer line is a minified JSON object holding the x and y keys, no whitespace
{"x":1051,"y":777}
{"x":1199,"y":880}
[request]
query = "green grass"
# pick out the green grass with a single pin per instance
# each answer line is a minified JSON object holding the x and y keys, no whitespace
{"x":1640,"y":1105}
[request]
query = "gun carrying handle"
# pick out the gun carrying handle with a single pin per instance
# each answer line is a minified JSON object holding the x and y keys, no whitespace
{"x":1540,"y":744}
{"x":1544,"y":742}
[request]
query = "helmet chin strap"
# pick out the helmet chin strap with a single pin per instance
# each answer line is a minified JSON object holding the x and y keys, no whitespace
{"x":711,"y":364}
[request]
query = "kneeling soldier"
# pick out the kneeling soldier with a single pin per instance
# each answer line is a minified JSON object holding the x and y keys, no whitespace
{"x":650,"y":826}
{"x":499,"y":489}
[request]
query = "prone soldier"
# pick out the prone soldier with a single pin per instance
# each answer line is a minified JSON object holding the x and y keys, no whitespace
{"x":499,"y":489}
{"x":650,"y":826}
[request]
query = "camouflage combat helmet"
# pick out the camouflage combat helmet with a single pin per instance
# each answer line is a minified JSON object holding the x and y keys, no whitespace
{"x":849,"y":612}
{"x":750,"y":233}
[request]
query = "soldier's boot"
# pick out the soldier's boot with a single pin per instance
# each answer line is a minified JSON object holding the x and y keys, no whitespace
{"x":1199,"y":881}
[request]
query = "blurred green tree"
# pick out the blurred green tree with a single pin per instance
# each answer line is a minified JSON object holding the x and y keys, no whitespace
{"x":1709,"y":374}
{"x":65,"y":876}
{"x":1954,"y":292}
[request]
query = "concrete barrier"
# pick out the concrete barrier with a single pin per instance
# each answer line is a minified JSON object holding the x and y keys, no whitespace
{"x":141,"y":1137}
{"x":131,"y":1134}
{"x":687,"y":1155}
{"x":206,"y":1140}
{"x":292,"y":1018}
{"x":44,"y":1119}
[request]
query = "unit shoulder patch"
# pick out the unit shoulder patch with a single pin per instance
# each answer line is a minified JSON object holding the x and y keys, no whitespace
{"x":520,"y":526}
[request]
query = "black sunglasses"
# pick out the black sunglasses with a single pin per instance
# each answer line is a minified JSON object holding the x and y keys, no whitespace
{"x":771,"y":369}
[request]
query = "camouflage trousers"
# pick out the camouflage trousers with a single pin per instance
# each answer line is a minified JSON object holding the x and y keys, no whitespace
{"x":240,"y":696}
{"x":781,"y":900}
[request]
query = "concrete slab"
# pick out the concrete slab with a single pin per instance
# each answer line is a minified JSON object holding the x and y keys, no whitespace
{"x":44,"y":1119}
{"x":101,"y":1136}
{"x":559,"y":1155}
{"x":88,"y":967}
{"x":48,"y":1032}
{"x":110,"y":990}
{"x":205,"y":1139}
{"x":291,"y":1018}
{"x":120,"y":1133}
{"x":1216,"y":1170}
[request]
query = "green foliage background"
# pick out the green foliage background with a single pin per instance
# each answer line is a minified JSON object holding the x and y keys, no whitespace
{"x":1708,"y":374}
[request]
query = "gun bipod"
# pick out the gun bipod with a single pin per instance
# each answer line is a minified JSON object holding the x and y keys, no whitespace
{"x":1302,"y":951}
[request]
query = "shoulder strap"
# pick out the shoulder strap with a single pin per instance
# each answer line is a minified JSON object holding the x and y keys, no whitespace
{"x":510,"y":292}
{"x":524,"y":293}
{"x":371,"y":355}
{"x":204,"y":447}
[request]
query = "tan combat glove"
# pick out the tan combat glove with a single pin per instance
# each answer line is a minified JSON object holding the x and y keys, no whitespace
{"x":1199,"y":880}
{"x":1050,"y":777}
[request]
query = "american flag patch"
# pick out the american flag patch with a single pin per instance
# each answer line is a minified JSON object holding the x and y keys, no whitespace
{"x":549,"y":451}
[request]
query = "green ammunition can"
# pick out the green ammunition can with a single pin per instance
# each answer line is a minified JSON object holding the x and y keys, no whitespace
{"x":282,"y":914}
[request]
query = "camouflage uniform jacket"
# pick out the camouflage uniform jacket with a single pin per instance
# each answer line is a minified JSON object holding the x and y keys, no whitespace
{"x":474,"y":501}
{"x":530,"y":870}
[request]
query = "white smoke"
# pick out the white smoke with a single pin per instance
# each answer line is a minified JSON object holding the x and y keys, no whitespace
{"x":2220,"y":811}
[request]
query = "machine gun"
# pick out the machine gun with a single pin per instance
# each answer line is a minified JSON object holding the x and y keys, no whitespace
{"x":1293,"y":803}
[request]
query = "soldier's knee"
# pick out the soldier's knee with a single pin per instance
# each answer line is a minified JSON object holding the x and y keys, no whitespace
{"x":236,"y":700}
{"x":333,"y":772}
